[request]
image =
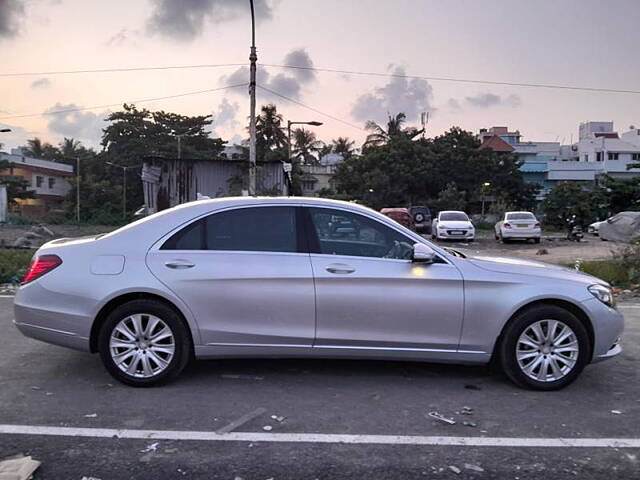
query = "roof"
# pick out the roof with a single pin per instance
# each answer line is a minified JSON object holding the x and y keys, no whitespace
{"x":496,"y":144}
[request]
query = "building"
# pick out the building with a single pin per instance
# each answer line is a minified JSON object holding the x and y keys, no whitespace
{"x":168,"y":182}
{"x":319,"y":177}
{"x":598,"y":151}
{"x":48,"y":180}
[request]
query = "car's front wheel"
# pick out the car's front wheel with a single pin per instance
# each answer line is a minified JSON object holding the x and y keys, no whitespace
{"x":144,"y":343}
{"x":544,"y":348}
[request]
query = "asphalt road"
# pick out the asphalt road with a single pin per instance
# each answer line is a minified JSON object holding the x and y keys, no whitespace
{"x":47,"y":386}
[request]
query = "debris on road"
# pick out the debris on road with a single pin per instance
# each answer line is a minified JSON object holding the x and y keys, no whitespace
{"x":472,"y":387}
{"x":473,"y":468}
{"x":90,"y":478}
{"x":455,"y":469}
{"x":91,"y":415}
{"x":18,"y":468}
{"x":442,"y":418}
{"x":267,"y":428}
{"x":470,"y":424}
{"x":36,"y":388}
{"x":542,"y":251}
{"x":278,"y":418}
{"x":616,"y":412}
{"x":150,"y":448}
{"x":466,"y":411}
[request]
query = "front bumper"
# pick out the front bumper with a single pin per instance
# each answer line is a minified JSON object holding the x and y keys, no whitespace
{"x":446,"y":235}
{"x":608,"y":325}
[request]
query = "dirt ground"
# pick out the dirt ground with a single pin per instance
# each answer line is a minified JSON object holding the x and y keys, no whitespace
{"x":559,"y":250}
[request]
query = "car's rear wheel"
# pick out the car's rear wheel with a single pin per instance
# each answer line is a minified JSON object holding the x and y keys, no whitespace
{"x":544,"y":348}
{"x":144,"y":343}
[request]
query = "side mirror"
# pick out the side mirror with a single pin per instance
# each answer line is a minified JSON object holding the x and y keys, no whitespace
{"x":423,"y":253}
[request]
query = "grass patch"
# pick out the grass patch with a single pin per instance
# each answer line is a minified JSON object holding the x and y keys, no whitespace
{"x":610,"y":271}
{"x":14,"y":263}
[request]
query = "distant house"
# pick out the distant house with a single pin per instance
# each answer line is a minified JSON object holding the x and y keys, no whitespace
{"x":315,"y":178}
{"x":168,"y":182}
{"x":48,"y":180}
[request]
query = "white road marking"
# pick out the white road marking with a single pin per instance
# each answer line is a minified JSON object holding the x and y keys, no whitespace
{"x":321,"y":438}
{"x":7,"y":296}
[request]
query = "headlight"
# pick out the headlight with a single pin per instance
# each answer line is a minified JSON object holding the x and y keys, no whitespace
{"x":602,"y":293}
{"x":442,"y":227}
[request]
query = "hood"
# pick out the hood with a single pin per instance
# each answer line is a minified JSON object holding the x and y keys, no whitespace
{"x":455,"y":224}
{"x":532,"y":267}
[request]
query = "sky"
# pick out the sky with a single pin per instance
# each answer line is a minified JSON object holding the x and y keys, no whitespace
{"x":588,"y":43}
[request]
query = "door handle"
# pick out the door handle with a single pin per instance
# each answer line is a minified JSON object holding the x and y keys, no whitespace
{"x":179,"y":264}
{"x":340,"y":268}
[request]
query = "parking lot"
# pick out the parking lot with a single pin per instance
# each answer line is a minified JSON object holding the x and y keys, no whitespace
{"x":356,"y":419}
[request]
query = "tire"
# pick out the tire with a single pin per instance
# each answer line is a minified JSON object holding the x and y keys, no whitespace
{"x":536,"y":240}
{"x":503,"y":240}
{"x":145,"y":312}
{"x":526,"y":322}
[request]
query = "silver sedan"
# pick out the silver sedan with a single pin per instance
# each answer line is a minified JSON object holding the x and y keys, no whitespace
{"x":301,"y":277}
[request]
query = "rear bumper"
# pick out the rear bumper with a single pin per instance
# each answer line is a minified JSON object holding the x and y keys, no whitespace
{"x":533,"y":233}
{"x":51,"y":318}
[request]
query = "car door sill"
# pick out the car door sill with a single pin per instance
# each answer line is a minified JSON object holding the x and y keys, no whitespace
{"x":342,"y":347}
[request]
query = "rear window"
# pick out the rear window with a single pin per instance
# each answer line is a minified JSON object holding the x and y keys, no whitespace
{"x":454,"y":217}
{"x":520,"y":216}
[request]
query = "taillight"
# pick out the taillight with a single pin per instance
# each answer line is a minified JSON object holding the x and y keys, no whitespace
{"x":41,"y":265}
{"x":537,"y":225}
{"x":506,"y":225}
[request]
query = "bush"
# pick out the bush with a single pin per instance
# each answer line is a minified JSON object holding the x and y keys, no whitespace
{"x":14,"y":263}
{"x":610,"y":271}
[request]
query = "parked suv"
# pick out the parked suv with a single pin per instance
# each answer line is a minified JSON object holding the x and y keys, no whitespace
{"x":421,"y":218}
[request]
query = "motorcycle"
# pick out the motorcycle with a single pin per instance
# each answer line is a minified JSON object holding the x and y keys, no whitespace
{"x":574,"y":230}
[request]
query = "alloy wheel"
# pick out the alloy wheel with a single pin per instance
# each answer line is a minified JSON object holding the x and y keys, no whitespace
{"x":547,"y":350}
{"x":142,"y":345}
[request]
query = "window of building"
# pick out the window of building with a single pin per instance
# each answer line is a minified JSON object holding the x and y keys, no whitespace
{"x":261,"y":229}
{"x":598,"y":156}
{"x":39,"y":181}
{"x":307,"y":185}
{"x":635,"y":156}
{"x":586,"y":157}
{"x":52,"y":182}
{"x":612,"y":156}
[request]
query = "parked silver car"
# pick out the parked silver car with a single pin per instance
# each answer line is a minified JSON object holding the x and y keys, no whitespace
{"x":270,"y":277}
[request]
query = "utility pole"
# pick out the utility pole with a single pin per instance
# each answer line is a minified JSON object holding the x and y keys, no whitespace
{"x":78,"y":189}
{"x":253,"y":58}
{"x":179,"y":147}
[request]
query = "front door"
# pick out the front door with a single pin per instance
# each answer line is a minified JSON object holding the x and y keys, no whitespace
{"x":369,"y":294}
{"x":244,"y":275}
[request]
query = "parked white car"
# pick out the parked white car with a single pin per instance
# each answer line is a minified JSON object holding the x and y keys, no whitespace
{"x":453,"y":225}
{"x":518,"y":225}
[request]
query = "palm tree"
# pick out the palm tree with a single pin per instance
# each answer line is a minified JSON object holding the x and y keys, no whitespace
{"x":34,"y":148}
{"x":69,"y":147}
{"x":343,"y":146}
{"x":306,"y":146}
{"x":269,"y":128}
{"x":380,"y":136}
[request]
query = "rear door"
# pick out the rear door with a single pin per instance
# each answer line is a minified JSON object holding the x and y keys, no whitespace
{"x":244,"y":274}
{"x":370,"y":295}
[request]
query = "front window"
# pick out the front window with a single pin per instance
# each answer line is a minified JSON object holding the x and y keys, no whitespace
{"x":39,"y":181}
{"x":260,"y":229}
{"x":612,"y":156}
{"x":345,"y":233}
{"x":454,"y":217}
{"x":52,"y":182}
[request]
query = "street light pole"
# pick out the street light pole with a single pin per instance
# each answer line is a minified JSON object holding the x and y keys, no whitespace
{"x":253,"y":58}
{"x":124,"y":184}
{"x":289,"y":123}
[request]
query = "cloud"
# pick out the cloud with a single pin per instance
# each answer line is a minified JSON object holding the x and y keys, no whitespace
{"x":17,"y":136}
{"x":225,"y":116}
{"x":410,"y":96}
{"x":288,"y":83}
{"x":41,"y":82}
{"x":454,"y":105}
{"x":12,"y":13}
{"x":185,"y":19}
{"x":122,"y":37}
{"x":487,"y":100}
{"x":85,"y":126}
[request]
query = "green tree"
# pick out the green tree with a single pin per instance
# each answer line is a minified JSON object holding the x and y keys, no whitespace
{"x":394,"y":129}
{"x":623,"y":194}
{"x":571,"y":198}
{"x":306,"y":146}
{"x":270,"y":133}
{"x":449,"y":199}
{"x":343,"y":146}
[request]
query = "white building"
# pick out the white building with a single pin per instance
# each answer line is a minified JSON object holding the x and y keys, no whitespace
{"x":48,"y":180}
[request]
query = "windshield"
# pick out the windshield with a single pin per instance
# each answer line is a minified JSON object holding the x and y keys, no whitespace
{"x":520,"y":216}
{"x":454,"y":217}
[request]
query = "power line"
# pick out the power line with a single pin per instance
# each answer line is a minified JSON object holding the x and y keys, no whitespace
{"x":123,"y":69}
{"x":310,"y":108}
{"x":459,"y":80}
{"x":144,"y":100}
{"x":328,"y":70}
